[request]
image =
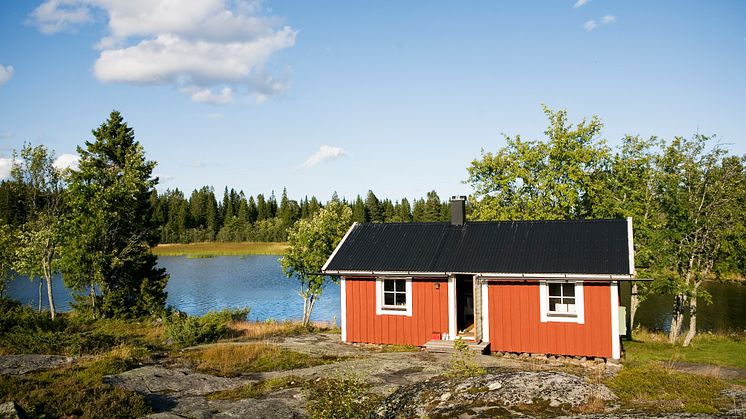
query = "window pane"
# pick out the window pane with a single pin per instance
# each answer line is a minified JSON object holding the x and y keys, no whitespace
{"x":568,"y":301}
{"x":568,"y":290}
{"x":400,"y":285}
{"x":388,"y":298}
{"x":388,"y":285}
{"x":553,"y":303}
{"x":555,"y":290}
{"x":401,"y":299}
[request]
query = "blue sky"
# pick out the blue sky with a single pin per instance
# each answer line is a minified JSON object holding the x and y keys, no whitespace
{"x":392,"y":96}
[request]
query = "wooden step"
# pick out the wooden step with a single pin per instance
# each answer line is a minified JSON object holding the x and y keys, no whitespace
{"x":447,"y":346}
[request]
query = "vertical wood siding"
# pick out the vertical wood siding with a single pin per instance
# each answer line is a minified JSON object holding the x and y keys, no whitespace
{"x":429,"y":314}
{"x":515,"y":324}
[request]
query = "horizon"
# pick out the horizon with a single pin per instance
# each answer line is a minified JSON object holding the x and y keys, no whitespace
{"x":393,"y":98}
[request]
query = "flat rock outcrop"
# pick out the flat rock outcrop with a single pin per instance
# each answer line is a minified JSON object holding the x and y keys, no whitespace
{"x":495,"y":393}
{"x":23,"y":364}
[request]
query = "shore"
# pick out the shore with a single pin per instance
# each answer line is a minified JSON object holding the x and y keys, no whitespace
{"x":210,"y":249}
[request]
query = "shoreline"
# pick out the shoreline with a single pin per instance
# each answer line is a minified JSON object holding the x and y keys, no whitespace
{"x":210,"y":249}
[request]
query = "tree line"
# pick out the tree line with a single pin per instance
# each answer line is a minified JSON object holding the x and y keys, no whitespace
{"x":203,"y":217}
{"x":686,"y":196}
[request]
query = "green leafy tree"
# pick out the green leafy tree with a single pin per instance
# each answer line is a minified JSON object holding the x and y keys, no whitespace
{"x":554,"y":179}
{"x":7,"y":255}
{"x":38,"y":240}
{"x":700,"y":193}
{"x":631,"y":190}
{"x":110,"y":232}
{"x":310,"y":243}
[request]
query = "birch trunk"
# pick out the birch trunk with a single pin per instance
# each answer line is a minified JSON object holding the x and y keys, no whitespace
{"x":692,"y":319}
{"x":50,"y":296}
{"x":633,"y":303}
{"x":677,"y":318}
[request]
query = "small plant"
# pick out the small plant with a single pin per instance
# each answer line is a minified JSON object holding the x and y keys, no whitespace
{"x":188,"y":331}
{"x":463,"y":364}
{"x":343,"y":397}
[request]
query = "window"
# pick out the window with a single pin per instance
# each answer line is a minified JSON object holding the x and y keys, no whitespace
{"x":394,"y":296}
{"x":561,"y":301}
{"x":562,"y":298}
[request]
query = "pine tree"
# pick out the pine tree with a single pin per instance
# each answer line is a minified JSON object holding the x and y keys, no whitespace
{"x":110,"y":232}
{"x":373,"y":208}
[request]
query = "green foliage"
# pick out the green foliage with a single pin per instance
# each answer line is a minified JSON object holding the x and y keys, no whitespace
{"x":658,"y":389}
{"x":38,"y":238}
{"x":188,"y":330}
{"x":111,"y":229}
{"x":556,"y":179}
{"x":343,"y":397}
{"x":463,"y":364}
{"x":76,"y":391}
{"x":7,"y":254}
{"x":25,"y":331}
{"x":310,"y":243}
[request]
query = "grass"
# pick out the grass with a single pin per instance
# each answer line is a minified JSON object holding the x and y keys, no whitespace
{"x":248,"y":330}
{"x":231,"y":360}
{"x":258,"y":389}
{"x":78,"y":390}
{"x":210,"y":249}
{"x":710,"y":349}
{"x":653,"y":387}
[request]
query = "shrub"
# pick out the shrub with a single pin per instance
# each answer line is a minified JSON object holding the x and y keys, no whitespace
{"x":463,"y":364}
{"x":344,"y":397}
{"x":188,"y":331}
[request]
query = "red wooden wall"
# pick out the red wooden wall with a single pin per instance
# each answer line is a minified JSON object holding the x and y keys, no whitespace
{"x":429,"y":314}
{"x":515,"y":322}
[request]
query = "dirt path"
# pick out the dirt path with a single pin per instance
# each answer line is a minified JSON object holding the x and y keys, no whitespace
{"x":726,"y":373}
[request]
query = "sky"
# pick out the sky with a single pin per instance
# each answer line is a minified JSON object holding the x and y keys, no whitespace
{"x":394,"y":96}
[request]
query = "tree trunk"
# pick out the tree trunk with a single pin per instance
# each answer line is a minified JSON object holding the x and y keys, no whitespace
{"x":50,"y":297}
{"x":677,"y":318}
{"x":309,"y":300}
{"x":692,"y":319}
{"x":40,"y":284}
{"x":633,"y":303}
{"x":93,"y":300}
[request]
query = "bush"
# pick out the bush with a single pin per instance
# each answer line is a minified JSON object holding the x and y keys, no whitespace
{"x":463,"y":364}
{"x":345,"y":397}
{"x":187,"y":331}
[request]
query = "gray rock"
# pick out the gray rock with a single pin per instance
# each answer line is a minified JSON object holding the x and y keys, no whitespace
{"x":494,"y":394}
{"x":22,"y":364}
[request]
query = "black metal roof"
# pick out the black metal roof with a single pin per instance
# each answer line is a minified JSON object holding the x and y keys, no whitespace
{"x":577,"y":246}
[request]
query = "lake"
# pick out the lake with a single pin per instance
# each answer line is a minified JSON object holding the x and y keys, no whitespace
{"x":202,"y":284}
{"x":256,"y":281}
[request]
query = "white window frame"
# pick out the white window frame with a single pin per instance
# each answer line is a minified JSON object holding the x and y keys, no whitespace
{"x":381,"y":309}
{"x":548,"y":316}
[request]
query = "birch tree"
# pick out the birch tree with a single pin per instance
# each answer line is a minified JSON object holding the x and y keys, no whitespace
{"x":699,"y":192}
{"x":310,"y":243}
{"x":38,"y":239}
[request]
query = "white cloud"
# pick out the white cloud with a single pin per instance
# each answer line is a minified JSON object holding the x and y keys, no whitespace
{"x":59,"y":15}
{"x":199,"y":46}
{"x":207,"y":96}
{"x":325,"y":153}
{"x":65,"y":161}
{"x":590,"y":25}
{"x":5,"y":166}
{"x":6,"y":73}
{"x":608,"y":19}
{"x":581,"y":3}
{"x":198,"y":164}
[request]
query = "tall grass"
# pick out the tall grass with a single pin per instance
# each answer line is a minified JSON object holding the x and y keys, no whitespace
{"x":210,"y":249}
{"x":725,"y":350}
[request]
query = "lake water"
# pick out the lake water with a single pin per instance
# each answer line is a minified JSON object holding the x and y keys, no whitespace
{"x":199,"y":285}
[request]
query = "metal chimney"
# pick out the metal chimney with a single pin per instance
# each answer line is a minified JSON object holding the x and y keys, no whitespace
{"x":458,"y":210}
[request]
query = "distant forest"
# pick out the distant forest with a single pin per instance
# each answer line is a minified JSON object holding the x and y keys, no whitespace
{"x":235,"y":217}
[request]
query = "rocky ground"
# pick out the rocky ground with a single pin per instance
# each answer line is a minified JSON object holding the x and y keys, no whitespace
{"x":413,"y":384}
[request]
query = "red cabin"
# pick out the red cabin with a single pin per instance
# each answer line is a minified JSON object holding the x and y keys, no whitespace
{"x":549,"y":287}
